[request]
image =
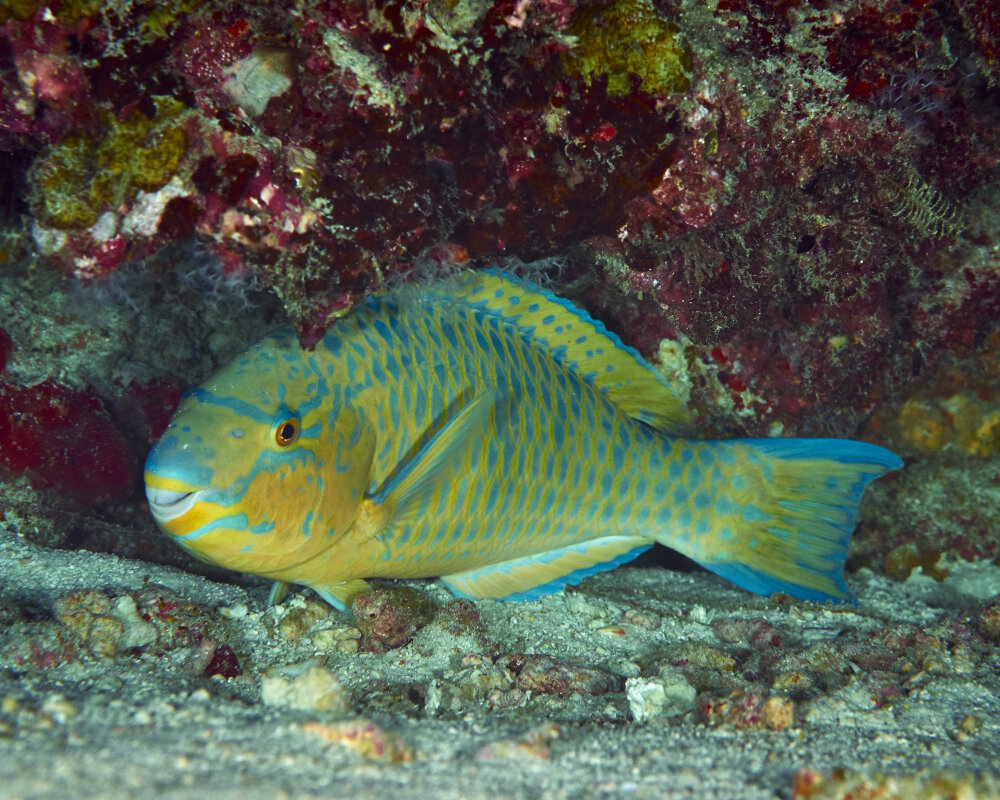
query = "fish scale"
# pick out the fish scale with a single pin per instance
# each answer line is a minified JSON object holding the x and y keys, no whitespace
{"x":507,"y":359}
{"x":492,"y":435}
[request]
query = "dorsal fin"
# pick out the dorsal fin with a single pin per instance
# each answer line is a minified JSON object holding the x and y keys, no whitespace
{"x":581,"y":343}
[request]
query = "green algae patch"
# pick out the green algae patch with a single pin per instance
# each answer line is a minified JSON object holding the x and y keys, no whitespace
{"x":625,"y":38}
{"x":83,"y":176}
{"x":163,"y":18}
{"x":68,"y":12}
{"x":72,"y":11}
{"x":21,"y":10}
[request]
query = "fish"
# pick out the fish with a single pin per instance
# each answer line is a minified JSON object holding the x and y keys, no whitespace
{"x":485,"y":432}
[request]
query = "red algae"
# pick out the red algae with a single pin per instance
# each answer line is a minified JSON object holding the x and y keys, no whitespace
{"x":65,"y":440}
{"x":223,"y":663}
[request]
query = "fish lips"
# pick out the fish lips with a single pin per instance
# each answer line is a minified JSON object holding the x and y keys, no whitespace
{"x":168,"y":504}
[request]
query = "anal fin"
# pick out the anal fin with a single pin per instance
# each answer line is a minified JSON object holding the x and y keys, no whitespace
{"x":545,"y":573}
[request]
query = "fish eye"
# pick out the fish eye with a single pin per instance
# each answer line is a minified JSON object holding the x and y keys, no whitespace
{"x":286,"y":432}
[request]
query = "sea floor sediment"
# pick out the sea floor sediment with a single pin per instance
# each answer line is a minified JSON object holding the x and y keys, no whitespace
{"x":121,"y":678}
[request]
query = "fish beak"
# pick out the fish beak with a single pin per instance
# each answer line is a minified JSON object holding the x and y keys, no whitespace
{"x":168,"y":504}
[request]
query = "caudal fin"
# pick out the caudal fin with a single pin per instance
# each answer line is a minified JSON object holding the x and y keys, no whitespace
{"x":782,"y":513}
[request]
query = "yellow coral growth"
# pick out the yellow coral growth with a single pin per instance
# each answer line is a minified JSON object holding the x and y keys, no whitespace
{"x":163,"y":17}
{"x":68,"y":12}
{"x":966,"y":422}
{"x":986,"y":439}
{"x":72,"y":11}
{"x":81,"y":177}
{"x":625,"y":38}
{"x":18,"y":9}
{"x":923,"y":426}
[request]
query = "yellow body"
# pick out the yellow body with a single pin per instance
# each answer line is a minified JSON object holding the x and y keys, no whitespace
{"x":491,"y":435}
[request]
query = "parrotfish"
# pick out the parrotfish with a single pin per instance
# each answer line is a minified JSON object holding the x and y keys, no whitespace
{"x":488,"y":433}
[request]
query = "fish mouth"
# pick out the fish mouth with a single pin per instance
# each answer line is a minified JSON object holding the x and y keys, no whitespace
{"x":168,"y":504}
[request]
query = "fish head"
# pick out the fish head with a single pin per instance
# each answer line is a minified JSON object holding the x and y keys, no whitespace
{"x":265,"y":465}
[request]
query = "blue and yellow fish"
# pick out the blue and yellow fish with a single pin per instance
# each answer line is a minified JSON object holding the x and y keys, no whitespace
{"x":487,"y":433}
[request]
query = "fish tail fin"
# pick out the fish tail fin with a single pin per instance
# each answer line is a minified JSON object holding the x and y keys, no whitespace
{"x":775,"y":515}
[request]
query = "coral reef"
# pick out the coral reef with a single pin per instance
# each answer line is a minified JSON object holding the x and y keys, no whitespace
{"x":791,"y":200}
{"x":630,"y":45}
{"x":65,"y":440}
{"x":790,"y":208}
{"x":925,"y":786}
{"x":744,"y":199}
{"x":944,"y":505}
{"x":83,"y":177}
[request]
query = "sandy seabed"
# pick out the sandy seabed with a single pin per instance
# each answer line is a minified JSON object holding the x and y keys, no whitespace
{"x":641,"y":682}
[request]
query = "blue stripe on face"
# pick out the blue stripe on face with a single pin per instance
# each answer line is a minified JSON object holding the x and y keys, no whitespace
{"x":234,"y":404}
{"x":237,"y":522}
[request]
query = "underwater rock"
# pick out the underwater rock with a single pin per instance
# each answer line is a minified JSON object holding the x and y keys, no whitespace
{"x":306,"y":687}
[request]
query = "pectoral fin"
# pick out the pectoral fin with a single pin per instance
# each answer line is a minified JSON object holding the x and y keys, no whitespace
{"x":429,"y":470}
{"x":279,"y":591}
{"x":340,"y":595}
